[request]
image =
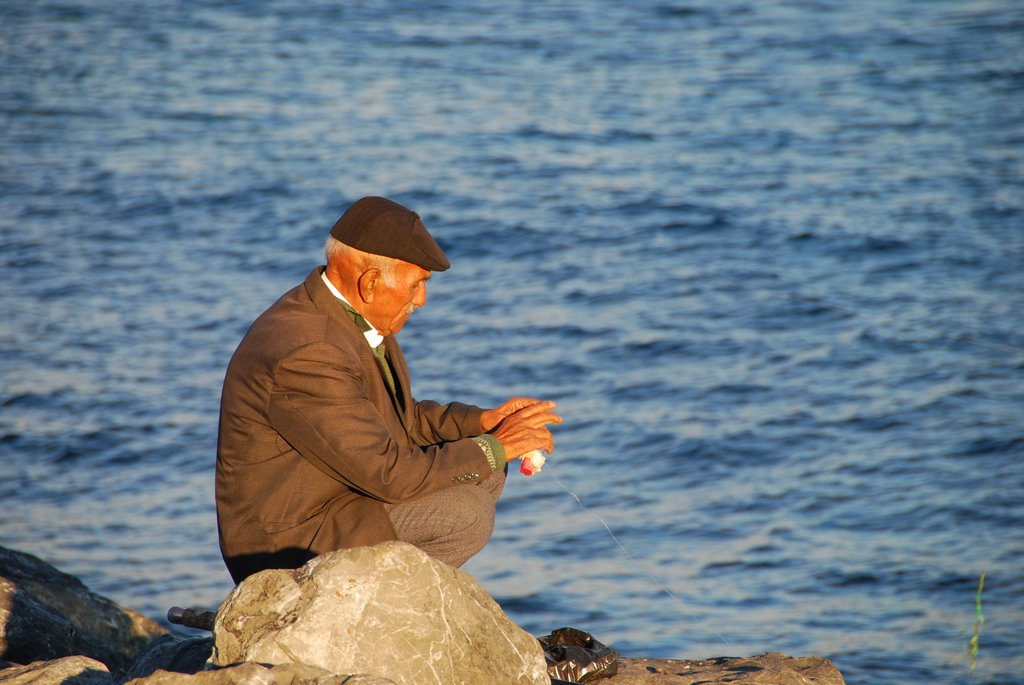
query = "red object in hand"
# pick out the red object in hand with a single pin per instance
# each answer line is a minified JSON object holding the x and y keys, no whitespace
{"x":532,"y":462}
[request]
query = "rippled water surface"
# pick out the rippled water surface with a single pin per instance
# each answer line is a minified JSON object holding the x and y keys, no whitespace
{"x":767,"y":256}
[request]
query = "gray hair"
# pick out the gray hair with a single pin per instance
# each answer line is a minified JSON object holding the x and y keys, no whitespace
{"x":335,"y":250}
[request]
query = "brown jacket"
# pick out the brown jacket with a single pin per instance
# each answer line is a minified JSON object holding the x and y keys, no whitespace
{"x":312,"y":444}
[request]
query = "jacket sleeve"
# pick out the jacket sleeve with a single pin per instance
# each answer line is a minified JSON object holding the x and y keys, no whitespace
{"x":320,"y":406}
{"x":434,"y":423}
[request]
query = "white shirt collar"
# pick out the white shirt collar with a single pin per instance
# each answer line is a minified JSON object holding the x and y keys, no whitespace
{"x":373,"y":338}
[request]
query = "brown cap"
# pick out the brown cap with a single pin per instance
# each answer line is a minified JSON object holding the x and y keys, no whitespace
{"x":380,"y":226}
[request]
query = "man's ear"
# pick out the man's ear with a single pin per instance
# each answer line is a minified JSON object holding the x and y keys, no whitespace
{"x":368,"y":282}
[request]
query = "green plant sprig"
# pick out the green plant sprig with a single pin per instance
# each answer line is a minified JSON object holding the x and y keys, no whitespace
{"x":978,"y":621}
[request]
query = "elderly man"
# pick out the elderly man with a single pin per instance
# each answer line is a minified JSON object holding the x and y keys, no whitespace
{"x":322,"y":445}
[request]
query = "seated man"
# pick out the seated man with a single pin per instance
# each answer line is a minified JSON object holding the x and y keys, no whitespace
{"x":322,"y":445}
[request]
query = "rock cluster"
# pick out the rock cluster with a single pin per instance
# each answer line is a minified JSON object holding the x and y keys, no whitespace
{"x":386,"y":615}
{"x":46,"y":614}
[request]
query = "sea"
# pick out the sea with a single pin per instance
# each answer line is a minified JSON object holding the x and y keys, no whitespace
{"x":766,"y":255}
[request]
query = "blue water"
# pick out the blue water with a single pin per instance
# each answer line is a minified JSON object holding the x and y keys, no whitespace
{"x":767,"y":256}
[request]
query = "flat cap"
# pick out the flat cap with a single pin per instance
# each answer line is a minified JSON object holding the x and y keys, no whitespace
{"x":381,"y":226}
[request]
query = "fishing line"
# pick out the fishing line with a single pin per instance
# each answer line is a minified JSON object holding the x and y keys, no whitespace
{"x":653,"y":579}
{"x":625,"y":551}
{"x":650,"y":576}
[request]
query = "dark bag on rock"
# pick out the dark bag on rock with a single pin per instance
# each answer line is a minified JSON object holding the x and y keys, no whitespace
{"x":575,"y":656}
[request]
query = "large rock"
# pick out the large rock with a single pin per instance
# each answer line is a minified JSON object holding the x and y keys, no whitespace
{"x":258,"y":674}
{"x":46,"y":615}
{"x":388,"y":610}
{"x":78,"y":670}
{"x":767,"y":669}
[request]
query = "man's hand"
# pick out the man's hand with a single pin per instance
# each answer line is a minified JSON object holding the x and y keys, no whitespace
{"x":492,"y":417}
{"x":523,"y":426}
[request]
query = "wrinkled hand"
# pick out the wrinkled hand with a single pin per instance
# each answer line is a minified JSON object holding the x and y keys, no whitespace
{"x":524,"y":426}
{"x":492,"y":417}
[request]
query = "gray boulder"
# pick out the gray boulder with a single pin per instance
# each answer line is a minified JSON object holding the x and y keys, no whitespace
{"x":388,"y":610}
{"x":46,"y":615}
{"x":79,"y":670}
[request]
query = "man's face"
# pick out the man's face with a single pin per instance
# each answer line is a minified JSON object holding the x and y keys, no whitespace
{"x":392,"y":304}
